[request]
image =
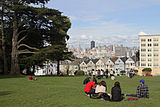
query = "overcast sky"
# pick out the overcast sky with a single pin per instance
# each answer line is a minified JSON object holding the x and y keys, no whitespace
{"x":109,"y":21}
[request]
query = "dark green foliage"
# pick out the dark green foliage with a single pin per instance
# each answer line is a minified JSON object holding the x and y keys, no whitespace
{"x":79,"y":72}
{"x":41,"y":33}
{"x":135,"y":70}
{"x":147,"y":70}
{"x":122,"y":71}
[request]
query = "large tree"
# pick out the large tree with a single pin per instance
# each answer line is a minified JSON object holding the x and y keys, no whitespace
{"x":33,"y":29}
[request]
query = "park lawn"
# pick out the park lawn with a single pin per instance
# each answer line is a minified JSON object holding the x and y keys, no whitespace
{"x":68,"y":92}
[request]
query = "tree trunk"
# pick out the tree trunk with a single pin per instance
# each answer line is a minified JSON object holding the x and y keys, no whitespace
{"x":58,"y":71}
{"x":15,"y":70}
{"x":5,"y":65}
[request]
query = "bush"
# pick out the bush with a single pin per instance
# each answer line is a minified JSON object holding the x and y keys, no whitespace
{"x":147,"y":69}
{"x":122,"y":72}
{"x":135,"y":70}
{"x":79,"y":72}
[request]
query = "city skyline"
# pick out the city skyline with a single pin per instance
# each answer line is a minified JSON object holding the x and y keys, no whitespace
{"x":109,"y":22}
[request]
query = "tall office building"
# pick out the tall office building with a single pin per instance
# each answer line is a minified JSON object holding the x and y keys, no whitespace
{"x":150,"y":52}
{"x":92,"y":44}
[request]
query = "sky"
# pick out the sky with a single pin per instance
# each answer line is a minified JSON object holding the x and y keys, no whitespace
{"x":109,"y":21}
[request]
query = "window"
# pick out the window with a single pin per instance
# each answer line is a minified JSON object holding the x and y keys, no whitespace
{"x":155,"y":59}
{"x":155,"y":64}
{"x":149,"y":64}
{"x":149,"y":50}
{"x":143,"y":40}
{"x":149,"y":55}
{"x":149,"y":45}
{"x":155,"y":44}
{"x":143,"y":50}
{"x":143,"y":64}
{"x":155,"y":50}
{"x":143,"y":45}
{"x":143,"y":54}
{"x":155,"y":54}
{"x":149,"y":40}
{"x":155,"y":39}
{"x":149,"y":59}
{"x":143,"y":59}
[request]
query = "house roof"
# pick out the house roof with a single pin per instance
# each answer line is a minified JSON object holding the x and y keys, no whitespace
{"x":104,"y":60}
{"x":94,"y":60}
{"x":76,"y":62}
{"x":135,"y":59}
{"x":114,"y":59}
{"x":124,"y":59}
{"x":86,"y":61}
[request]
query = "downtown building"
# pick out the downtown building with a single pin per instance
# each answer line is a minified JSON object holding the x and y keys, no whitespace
{"x":149,"y":53}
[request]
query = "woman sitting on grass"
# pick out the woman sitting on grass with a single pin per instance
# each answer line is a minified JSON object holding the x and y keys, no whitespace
{"x":116,"y":92}
{"x":100,"y":90}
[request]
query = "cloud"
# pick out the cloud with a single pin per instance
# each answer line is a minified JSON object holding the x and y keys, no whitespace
{"x":84,"y":37}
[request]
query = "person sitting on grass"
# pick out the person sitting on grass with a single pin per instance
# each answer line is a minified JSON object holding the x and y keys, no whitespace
{"x":142,"y":90}
{"x":86,"y":80}
{"x":116,"y":94}
{"x":100,"y":89}
{"x":90,"y":88}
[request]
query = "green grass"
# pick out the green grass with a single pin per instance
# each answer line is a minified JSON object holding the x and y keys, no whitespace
{"x":68,"y":92}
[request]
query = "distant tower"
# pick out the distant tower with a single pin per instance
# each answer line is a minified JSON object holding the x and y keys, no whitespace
{"x":92,"y":44}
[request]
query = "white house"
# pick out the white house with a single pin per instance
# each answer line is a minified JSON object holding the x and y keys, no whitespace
{"x":130,"y":64}
{"x":110,"y":63}
{"x":49,"y":68}
{"x":83,"y":66}
{"x":119,"y":65}
{"x":91,"y":65}
{"x":101,"y":64}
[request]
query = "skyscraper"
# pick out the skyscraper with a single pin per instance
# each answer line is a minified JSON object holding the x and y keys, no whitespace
{"x":92,"y":44}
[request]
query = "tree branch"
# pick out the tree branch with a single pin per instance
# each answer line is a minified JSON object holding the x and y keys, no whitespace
{"x":22,"y":39}
{"x":21,"y":32}
{"x":20,"y":45}
{"x":25,"y":52}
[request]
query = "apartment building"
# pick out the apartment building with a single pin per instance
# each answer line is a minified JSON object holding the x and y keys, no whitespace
{"x":150,"y":52}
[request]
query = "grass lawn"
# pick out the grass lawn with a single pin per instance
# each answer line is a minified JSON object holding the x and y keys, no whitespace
{"x":68,"y":92}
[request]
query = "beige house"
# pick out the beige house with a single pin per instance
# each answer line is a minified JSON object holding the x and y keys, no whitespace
{"x":91,"y":65}
{"x":129,"y":64}
{"x":149,"y":53}
{"x":83,"y":66}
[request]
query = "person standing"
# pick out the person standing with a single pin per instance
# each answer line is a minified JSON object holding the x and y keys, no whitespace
{"x":106,"y":73}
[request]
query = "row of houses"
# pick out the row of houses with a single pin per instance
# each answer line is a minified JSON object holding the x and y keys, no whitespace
{"x":115,"y":64}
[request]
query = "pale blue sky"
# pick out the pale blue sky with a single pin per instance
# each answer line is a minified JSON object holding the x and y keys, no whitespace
{"x":109,"y":21}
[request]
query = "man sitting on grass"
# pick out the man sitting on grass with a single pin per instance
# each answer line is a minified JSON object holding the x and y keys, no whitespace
{"x":142,"y":90}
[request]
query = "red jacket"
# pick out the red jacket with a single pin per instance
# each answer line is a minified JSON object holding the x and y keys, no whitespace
{"x":89,"y":86}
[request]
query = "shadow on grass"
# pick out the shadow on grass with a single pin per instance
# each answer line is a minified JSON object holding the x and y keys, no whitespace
{"x":10,"y":76}
{"x":2,"y":93}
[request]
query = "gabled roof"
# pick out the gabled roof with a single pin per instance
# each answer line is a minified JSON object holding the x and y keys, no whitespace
{"x":114,"y":59}
{"x":86,"y":61}
{"x":124,"y":59}
{"x":95,"y":61}
{"x":135,"y":59}
{"x":76,"y":62}
{"x":104,"y":60}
